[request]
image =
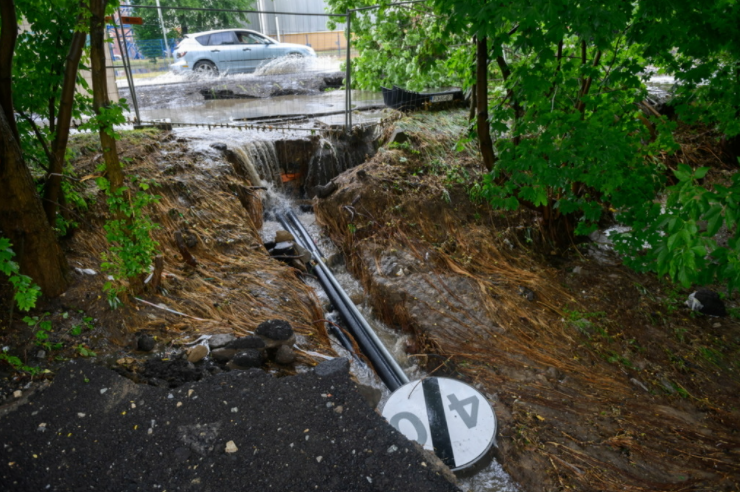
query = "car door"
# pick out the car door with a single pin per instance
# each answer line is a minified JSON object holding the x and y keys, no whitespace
{"x":257,"y":47}
{"x":225,"y":52}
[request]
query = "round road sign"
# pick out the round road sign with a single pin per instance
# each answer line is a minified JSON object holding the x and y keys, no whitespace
{"x":446,"y":416}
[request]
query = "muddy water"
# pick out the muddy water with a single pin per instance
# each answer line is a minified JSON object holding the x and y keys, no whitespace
{"x":236,"y":111}
{"x":278,"y":66}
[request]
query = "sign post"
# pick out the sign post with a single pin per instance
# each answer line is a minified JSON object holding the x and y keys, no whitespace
{"x":445,"y":416}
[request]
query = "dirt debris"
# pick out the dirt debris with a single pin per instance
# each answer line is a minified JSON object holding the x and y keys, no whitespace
{"x":228,"y":285}
{"x":601,"y":379}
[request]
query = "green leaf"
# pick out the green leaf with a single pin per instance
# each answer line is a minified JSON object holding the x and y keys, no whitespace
{"x":700,"y":172}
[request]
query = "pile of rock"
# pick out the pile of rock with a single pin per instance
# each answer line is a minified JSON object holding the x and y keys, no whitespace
{"x":284,"y":248}
{"x":273,"y":340}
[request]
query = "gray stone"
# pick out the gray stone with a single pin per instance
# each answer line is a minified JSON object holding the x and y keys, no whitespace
{"x":220,"y":340}
{"x":323,"y":191}
{"x":526,"y":293}
{"x":282,"y":236}
{"x":303,"y":252}
{"x":371,"y":394}
{"x":331,"y":367}
{"x":298,"y":265}
{"x":248,"y":358}
{"x":275,"y":332}
{"x":335,"y":260}
{"x":250,"y":341}
{"x":145,"y":343}
{"x":197,"y":353}
{"x":223,"y":355}
{"x":284,"y":355}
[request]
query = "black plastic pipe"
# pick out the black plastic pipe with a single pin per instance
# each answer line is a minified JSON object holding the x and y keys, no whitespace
{"x":378,"y":356}
{"x":362,"y":323}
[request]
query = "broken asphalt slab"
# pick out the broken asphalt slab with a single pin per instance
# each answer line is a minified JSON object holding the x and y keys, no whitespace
{"x":240,"y":430}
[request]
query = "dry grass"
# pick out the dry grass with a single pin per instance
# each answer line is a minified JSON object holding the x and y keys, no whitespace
{"x":582,"y":409}
{"x":235,"y":285}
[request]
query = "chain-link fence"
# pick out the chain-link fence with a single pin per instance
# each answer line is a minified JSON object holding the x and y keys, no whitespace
{"x":198,"y":65}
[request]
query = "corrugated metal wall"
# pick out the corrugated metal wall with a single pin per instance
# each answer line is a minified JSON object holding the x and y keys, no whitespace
{"x":289,"y":24}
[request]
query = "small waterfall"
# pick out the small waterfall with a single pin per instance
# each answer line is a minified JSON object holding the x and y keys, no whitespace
{"x":258,"y":161}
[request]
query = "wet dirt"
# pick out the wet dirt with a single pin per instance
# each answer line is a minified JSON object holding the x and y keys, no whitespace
{"x":601,"y":378}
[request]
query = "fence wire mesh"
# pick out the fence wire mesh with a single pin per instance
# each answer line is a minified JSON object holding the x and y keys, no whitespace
{"x":228,"y":66}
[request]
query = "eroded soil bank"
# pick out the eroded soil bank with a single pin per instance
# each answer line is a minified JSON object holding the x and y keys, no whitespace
{"x":601,"y":378}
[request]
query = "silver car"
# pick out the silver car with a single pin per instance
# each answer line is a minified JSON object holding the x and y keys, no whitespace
{"x":231,"y":51}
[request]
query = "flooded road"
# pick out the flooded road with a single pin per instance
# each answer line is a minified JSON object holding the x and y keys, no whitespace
{"x":327,"y":107}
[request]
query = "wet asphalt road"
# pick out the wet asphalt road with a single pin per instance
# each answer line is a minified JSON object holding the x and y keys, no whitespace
{"x":241,"y":430}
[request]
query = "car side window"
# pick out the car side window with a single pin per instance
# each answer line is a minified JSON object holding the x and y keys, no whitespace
{"x":203,"y":39}
{"x":219,"y":38}
{"x":248,"y":38}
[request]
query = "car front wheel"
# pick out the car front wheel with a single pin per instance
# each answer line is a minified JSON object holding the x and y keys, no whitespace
{"x":206,"y":68}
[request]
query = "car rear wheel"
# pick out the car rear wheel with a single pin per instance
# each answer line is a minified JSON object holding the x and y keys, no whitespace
{"x":206,"y":68}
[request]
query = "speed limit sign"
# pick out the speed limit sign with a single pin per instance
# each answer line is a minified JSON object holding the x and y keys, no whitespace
{"x":445,"y":416}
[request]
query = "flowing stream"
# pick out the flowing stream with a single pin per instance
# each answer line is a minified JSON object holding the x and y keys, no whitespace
{"x":263,"y":160}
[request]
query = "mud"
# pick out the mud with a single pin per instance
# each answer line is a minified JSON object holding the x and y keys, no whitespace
{"x":601,"y":378}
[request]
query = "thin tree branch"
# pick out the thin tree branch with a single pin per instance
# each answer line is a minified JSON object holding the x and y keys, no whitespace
{"x":39,"y":137}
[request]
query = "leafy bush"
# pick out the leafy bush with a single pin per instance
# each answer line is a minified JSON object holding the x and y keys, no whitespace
{"x":26,"y":292}
{"x":128,"y":232}
{"x":683,"y":236}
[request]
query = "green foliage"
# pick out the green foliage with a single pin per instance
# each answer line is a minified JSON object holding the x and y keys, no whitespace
{"x":128,"y":232}
{"x":180,"y":22}
{"x":84,"y":351}
{"x":569,"y":138}
{"x":108,"y":116}
{"x":42,"y":327}
{"x":38,"y":73}
{"x":87,"y":323}
{"x":26,"y":292}
{"x":402,"y":45}
{"x":693,"y":238}
{"x":17,"y":364}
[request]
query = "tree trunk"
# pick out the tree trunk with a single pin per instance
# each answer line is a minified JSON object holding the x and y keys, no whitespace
{"x":100,"y":91}
{"x":8,"y":36}
{"x":52,"y":189}
{"x":481,"y":85}
{"x":22,"y":219}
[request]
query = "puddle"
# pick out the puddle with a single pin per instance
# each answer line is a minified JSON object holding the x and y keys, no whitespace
{"x":245,"y":111}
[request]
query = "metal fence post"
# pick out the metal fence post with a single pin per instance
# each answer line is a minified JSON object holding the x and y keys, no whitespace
{"x":126,"y":59}
{"x":348,"y":76}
